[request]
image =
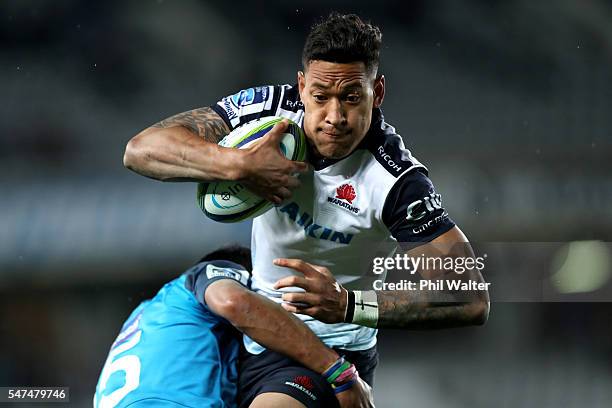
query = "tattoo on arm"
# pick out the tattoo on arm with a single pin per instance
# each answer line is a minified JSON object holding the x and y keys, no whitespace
{"x":202,"y":121}
{"x":417,"y":310}
{"x":440,"y":305}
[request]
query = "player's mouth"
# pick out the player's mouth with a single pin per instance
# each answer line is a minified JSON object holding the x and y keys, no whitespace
{"x":334,"y":133}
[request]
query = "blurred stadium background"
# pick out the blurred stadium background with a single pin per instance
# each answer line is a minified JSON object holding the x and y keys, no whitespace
{"x":509,"y":103}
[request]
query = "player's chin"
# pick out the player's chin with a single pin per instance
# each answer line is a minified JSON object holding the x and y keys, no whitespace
{"x":335,"y":154}
{"x":334,"y":150}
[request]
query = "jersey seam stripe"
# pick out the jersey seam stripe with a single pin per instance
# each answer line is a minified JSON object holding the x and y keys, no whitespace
{"x":221,"y":112}
{"x":414,"y":166}
{"x":276,"y":98}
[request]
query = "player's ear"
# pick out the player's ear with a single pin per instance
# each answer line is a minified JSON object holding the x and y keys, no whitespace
{"x":379,"y":90}
{"x":301,"y":82}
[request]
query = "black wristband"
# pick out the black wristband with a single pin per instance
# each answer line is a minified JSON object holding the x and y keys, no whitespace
{"x":350,"y":307}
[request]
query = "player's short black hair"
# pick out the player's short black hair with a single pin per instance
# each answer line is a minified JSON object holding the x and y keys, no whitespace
{"x":234,"y":253}
{"x":343,"y":38}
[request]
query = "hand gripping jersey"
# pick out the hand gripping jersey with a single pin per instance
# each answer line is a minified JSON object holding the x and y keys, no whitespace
{"x":173,"y":351}
{"x":345,"y":213}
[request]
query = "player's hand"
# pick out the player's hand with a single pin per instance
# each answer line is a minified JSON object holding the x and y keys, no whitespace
{"x":358,"y":396}
{"x":268,"y":173}
{"x":324,"y":298}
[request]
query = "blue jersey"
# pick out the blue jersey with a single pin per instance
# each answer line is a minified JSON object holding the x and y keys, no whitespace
{"x":173,"y":351}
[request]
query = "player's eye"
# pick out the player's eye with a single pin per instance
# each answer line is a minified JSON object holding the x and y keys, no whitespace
{"x":353,"y":98}
{"x":319,"y":97}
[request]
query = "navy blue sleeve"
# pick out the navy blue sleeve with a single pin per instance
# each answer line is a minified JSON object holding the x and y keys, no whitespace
{"x":248,"y":104}
{"x":413,"y":211}
{"x":202,"y":275}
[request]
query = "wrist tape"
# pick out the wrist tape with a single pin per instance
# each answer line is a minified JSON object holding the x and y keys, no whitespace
{"x":362,"y":308}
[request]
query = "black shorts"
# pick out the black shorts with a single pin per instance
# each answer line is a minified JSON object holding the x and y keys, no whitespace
{"x":274,"y":372}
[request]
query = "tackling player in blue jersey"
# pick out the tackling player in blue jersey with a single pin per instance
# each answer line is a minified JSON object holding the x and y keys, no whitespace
{"x":362,"y":196}
{"x":180,"y":349}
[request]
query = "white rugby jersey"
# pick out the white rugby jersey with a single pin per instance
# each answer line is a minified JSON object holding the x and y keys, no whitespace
{"x":345,"y":213}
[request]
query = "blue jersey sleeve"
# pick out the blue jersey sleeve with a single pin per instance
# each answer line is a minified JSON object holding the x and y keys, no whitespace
{"x":202,"y":275}
{"x":413,"y":211}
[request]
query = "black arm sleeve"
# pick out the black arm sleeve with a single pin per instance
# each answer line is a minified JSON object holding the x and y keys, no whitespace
{"x":413,"y":210}
{"x":200,"y":276}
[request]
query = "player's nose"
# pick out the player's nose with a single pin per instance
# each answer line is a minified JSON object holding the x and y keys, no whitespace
{"x":335,"y":114}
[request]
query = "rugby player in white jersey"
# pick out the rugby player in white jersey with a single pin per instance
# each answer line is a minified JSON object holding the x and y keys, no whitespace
{"x":362,"y":191}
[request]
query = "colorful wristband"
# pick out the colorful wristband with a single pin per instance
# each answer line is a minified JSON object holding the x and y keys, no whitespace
{"x":347,"y":375}
{"x":340,"y":375}
{"x":333,"y":367}
{"x":344,"y":386}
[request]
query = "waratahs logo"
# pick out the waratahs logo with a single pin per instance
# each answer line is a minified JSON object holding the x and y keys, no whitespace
{"x":304,"y":384}
{"x":304,"y":381}
{"x":346,"y":192}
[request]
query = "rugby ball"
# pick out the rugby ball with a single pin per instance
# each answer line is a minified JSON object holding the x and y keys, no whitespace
{"x":230,"y":201}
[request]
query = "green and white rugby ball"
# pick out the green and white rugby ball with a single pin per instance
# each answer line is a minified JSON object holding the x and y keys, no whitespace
{"x":226,"y":201}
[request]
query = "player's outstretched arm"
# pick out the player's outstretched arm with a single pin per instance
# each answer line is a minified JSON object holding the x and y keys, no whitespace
{"x":268,"y":324}
{"x":439,"y":307}
{"x":184,"y":148}
{"x":329,"y":302}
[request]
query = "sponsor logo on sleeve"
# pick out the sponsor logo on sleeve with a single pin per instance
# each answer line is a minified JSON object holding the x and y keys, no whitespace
{"x":430,"y":223}
{"x":250,"y":96}
{"x":213,"y":271}
{"x":387,"y":159}
{"x":292,"y":105}
{"x":244,"y":97}
{"x":421,"y":208}
{"x":232,"y":112}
